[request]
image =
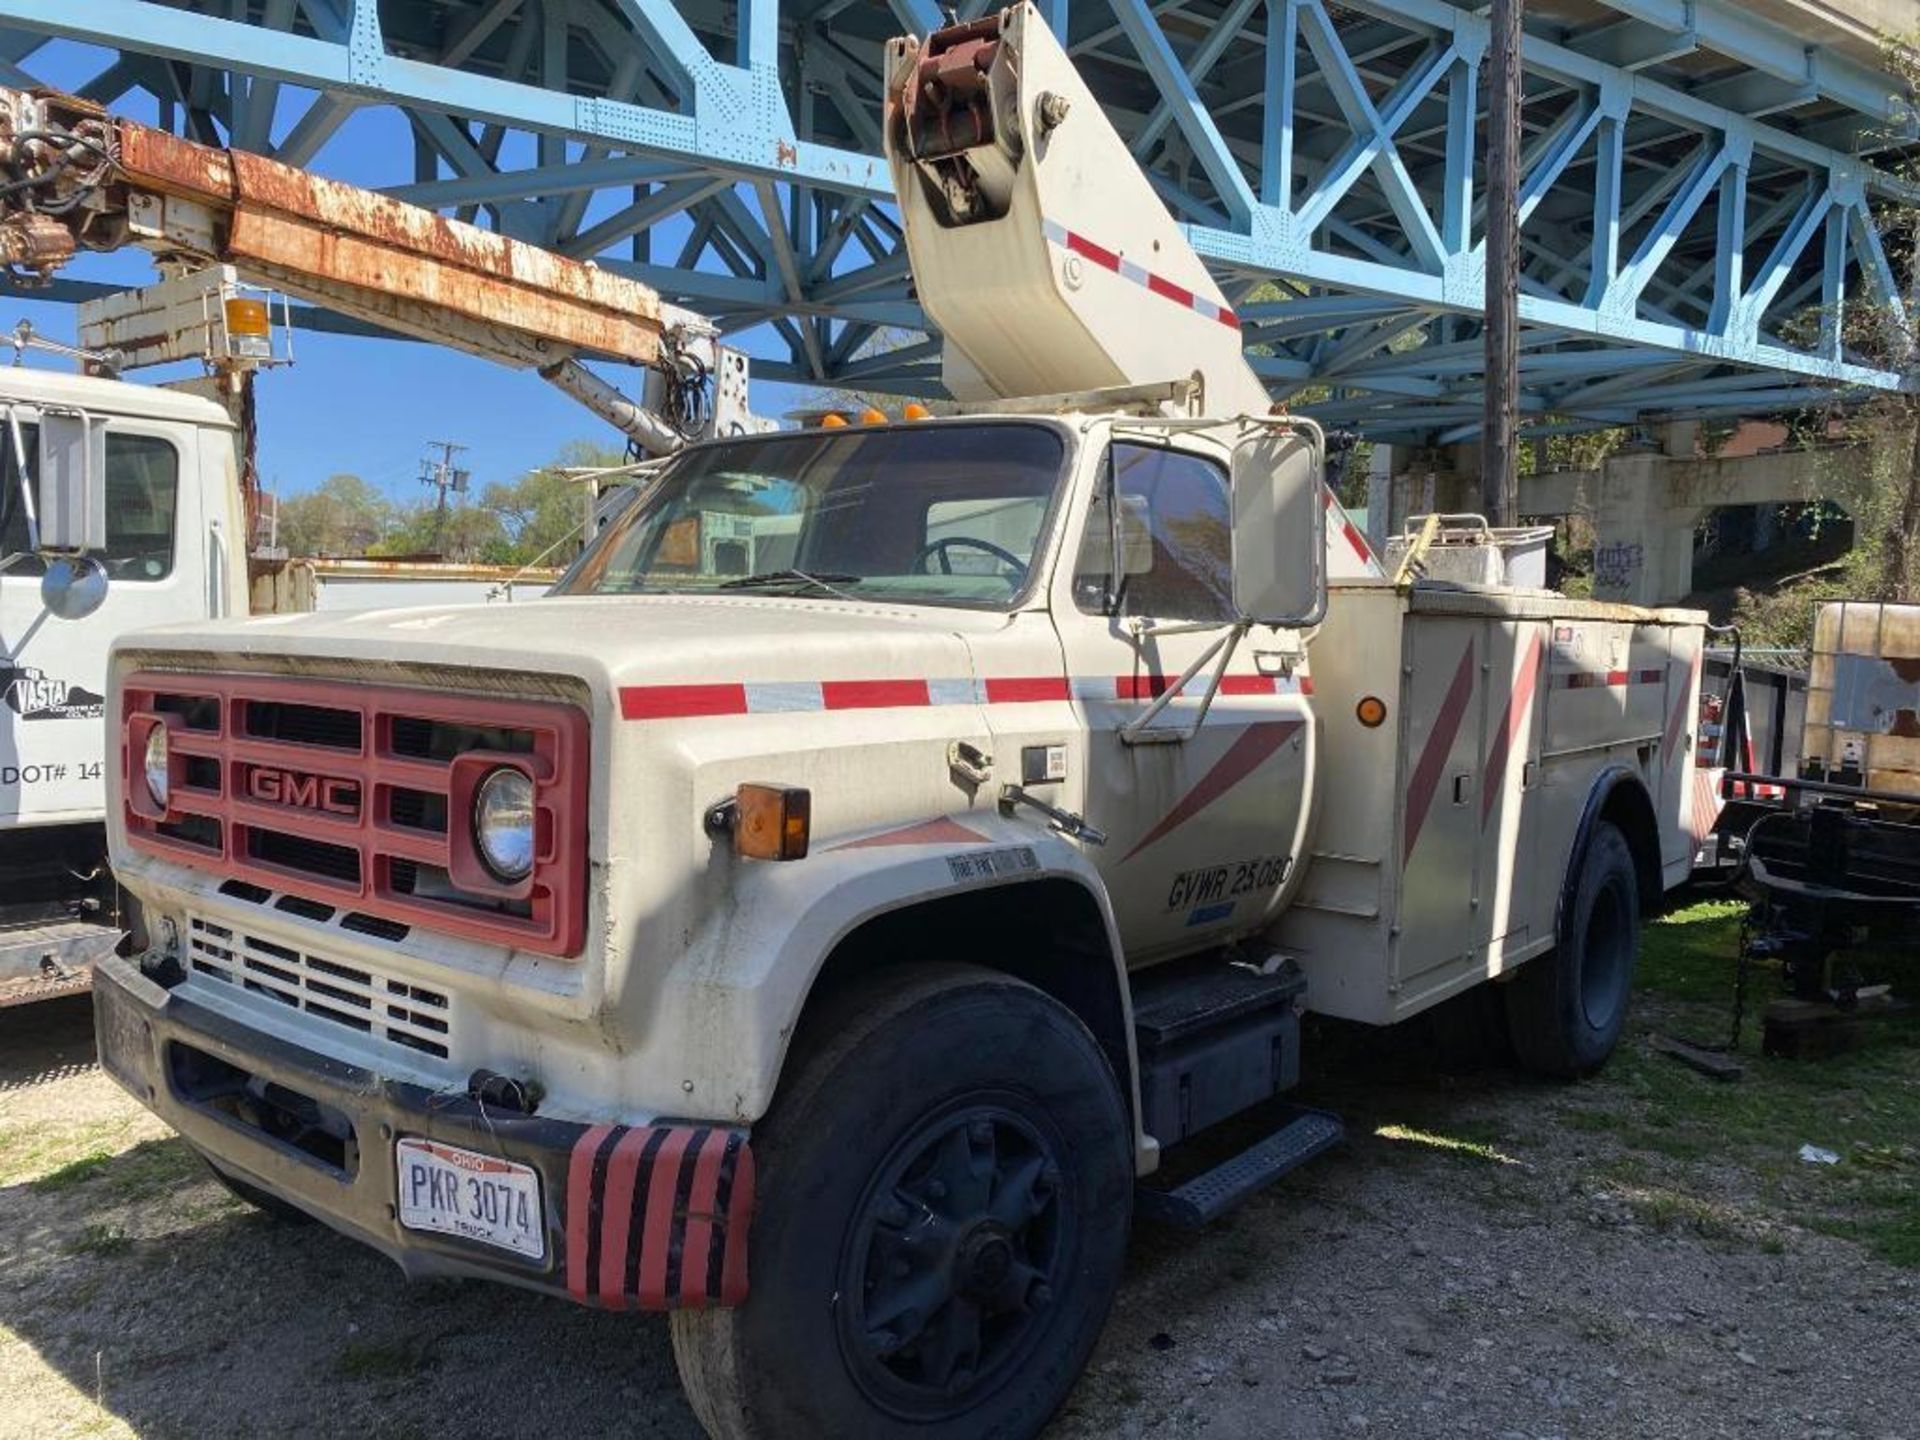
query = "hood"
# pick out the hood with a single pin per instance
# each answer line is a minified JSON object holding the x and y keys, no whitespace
{"x":608,"y":641}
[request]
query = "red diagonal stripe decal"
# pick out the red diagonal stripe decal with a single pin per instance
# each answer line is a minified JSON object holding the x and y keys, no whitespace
{"x":1670,"y":742}
{"x":1433,"y":759}
{"x":1243,"y":757}
{"x":1523,"y":684}
{"x":941,"y":831}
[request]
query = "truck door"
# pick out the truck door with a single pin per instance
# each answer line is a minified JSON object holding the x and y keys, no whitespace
{"x":1202,"y":831}
{"x":53,"y":672}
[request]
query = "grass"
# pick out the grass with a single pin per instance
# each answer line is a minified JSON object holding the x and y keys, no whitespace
{"x":1457,"y":1145}
{"x":102,"y":1241}
{"x":1864,"y":1105}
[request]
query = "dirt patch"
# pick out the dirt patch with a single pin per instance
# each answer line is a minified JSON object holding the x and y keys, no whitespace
{"x":1642,"y":1256}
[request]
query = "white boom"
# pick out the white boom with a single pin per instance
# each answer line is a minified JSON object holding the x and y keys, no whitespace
{"x":1039,"y":249}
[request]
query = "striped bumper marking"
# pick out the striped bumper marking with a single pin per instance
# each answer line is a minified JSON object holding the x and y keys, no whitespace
{"x":657,"y":1217}
{"x":785,"y":697}
{"x":1137,"y":274}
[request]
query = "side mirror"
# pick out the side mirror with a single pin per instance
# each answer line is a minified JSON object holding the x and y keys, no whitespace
{"x":1280,"y":526}
{"x":72,"y":472}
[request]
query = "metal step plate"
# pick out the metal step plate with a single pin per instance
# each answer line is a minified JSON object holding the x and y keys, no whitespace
{"x":1212,"y":1193}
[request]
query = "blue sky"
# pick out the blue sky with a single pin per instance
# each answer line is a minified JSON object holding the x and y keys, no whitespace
{"x":359,"y":405}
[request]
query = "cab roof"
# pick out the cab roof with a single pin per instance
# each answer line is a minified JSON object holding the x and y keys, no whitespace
{"x":109,"y":397}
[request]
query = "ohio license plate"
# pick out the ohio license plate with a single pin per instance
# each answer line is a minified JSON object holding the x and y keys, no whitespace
{"x":477,"y":1197}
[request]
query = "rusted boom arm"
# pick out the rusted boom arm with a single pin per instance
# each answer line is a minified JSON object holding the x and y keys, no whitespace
{"x":76,"y":178}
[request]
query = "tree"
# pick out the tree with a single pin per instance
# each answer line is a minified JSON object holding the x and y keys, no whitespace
{"x":466,"y":533}
{"x":539,"y":513}
{"x":344,"y":516}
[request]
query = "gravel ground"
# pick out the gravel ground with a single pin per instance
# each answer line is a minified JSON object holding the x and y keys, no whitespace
{"x":1487,"y":1257}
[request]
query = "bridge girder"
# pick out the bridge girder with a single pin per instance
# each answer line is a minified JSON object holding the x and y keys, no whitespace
{"x":1699,"y":204}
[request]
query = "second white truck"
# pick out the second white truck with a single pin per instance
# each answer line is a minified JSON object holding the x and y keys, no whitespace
{"x":817,"y":917}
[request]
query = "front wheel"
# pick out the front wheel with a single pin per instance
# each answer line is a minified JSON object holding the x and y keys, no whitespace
{"x":944,"y":1185}
{"x":1565,"y":1010}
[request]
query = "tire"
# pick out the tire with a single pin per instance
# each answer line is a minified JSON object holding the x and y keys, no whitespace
{"x":945,"y":1182}
{"x":271,"y":1206}
{"x":1566,"y":1009}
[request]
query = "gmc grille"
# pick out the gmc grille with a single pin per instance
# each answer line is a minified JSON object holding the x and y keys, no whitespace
{"x":351,"y":795}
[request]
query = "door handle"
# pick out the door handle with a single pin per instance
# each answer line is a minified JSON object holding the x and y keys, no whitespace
{"x":1462,"y":787}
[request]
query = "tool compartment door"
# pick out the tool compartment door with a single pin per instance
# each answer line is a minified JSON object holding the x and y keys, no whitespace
{"x":1443,"y":716}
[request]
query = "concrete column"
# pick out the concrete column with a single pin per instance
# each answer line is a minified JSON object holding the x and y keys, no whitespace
{"x":1380,"y":470}
{"x":1643,"y":544}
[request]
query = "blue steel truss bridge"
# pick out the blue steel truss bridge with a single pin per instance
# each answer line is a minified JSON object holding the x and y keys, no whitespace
{"x":1705,"y":184}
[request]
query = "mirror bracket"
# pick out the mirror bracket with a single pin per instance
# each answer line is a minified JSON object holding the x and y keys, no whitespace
{"x":1141,"y":730}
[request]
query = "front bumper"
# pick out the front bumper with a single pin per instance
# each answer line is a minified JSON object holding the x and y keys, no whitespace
{"x":650,"y":1217}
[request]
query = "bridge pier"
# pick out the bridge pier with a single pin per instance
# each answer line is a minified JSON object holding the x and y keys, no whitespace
{"x":1646,"y":503}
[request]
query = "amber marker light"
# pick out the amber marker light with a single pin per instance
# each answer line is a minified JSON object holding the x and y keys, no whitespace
{"x":914,"y":410}
{"x":248,"y":317}
{"x":771,"y":822}
{"x":833,"y":420}
{"x":1371,"y":711}
{"x":871,"y":416}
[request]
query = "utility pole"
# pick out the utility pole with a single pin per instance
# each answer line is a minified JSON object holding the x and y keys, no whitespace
{"x":1499,"y":481}
{"x":444,"y":478}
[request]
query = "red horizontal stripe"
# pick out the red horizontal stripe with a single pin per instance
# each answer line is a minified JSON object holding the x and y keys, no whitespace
{"x":672,"y":702}
{"x":1013,"y":689}
{"x":1247,"y":685}
{"x":872,"y":694}
{"x":1228,"y":318}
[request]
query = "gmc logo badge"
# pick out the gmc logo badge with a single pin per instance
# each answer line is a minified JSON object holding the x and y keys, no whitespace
{"x":303,"y":792}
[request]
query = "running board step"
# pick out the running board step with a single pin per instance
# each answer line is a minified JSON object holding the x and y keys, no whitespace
{"x":1210,"y":1194}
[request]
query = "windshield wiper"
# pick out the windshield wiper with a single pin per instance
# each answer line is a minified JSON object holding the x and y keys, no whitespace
{"x":767,"y":579}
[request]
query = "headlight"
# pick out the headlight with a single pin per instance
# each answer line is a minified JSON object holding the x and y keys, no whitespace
{"x":155,"y":764}
{"x":503,"y":823}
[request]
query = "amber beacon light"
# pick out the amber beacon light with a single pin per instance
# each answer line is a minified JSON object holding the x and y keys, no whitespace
{"x":1371,"y":711}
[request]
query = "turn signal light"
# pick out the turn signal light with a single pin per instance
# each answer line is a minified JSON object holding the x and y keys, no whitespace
{"x":1371,"y":711}
{"x":771,"y":822}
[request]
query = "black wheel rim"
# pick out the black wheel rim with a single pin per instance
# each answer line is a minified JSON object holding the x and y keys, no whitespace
{"x":951,"y":1259}
{"x":1606,"y":957}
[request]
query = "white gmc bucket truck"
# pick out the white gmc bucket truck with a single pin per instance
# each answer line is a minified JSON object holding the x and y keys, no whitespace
{"x":168,"y":527}
{"x":818,"y":916}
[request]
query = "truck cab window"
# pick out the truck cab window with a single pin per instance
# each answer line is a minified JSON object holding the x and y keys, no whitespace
{"x":1176,"y":539}
{"x":947,"y":514}
{"x":143,"y":491}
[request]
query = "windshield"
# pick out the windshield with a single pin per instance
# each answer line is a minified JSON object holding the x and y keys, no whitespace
{"x":934,"y":515}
